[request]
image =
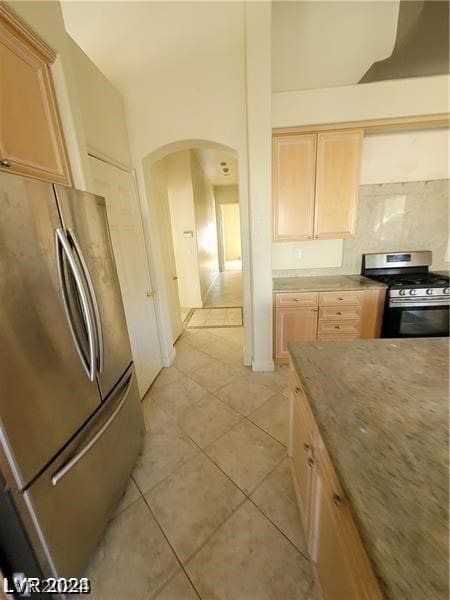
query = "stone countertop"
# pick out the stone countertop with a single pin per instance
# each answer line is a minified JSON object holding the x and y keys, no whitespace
{"x":382,"y":410}
{"x":325,"y":283}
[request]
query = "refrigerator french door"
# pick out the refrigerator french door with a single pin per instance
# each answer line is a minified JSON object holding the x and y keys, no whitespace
{"x":70,"y":419}
{"x":85,"y":224}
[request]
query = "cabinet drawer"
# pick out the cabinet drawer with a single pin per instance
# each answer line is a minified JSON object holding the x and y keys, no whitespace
{"x":341,"y":337}
{"x":337,"y":313}
{"x":292,"y":299}
{"x":342,"y":327}
{"x":340,"y":298}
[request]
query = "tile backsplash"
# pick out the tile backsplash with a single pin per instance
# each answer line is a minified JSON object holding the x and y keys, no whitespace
{"x":394,"y":217}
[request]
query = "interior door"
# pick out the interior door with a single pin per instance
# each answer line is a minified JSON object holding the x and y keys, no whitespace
{"x":85,"y":222}
{"x":127,"y":236}
{"x":45,"y":392}
{"x":160,"y":199}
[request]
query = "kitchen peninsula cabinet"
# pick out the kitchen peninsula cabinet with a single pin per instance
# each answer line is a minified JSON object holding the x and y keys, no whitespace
{"x":315,"y":184}
{"x":341,"y":565}
{"x":31,"y":141}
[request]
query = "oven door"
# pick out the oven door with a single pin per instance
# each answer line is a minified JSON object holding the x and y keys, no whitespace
{"x":415,"y":321}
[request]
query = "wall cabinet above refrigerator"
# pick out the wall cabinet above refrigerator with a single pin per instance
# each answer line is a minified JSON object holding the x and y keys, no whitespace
{"x":31,"y":140}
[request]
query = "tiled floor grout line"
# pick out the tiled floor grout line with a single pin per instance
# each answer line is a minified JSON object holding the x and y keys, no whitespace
{"x":247,"y":495}
{"x":171,"y":547}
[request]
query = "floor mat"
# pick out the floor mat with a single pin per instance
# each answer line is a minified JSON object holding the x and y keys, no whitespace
{"x":215,"y":317}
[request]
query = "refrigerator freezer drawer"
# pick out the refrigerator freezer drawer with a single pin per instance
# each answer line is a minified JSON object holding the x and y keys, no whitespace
{"x":74,"y":498}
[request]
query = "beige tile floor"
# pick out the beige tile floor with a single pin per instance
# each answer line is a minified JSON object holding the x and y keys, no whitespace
{"x":210,"y":511}
{"x":215,"y":317}
{"x":226,"y":290}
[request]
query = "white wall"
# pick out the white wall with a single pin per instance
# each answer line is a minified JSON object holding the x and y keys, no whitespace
{"x":381,"y":99}
{"x":406,"y":156}
{"x":206,"y":231}
{"x":258,"y":58}
{"x":182,"y":214}
{"x":324,"y":44}
{"x":224,"y":194}
{"x":101,"y":108}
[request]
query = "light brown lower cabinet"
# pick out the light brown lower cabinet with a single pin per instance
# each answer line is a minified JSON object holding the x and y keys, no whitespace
{"x":342,"y":568}
{"x":310,"y":316}
{"x":294,"y":325}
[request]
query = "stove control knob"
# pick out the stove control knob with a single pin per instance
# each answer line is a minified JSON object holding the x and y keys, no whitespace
{"x":446,"y":291}
{"x":402,"y":292}
{"x":412,"y":292}
{"x":430,"y":291}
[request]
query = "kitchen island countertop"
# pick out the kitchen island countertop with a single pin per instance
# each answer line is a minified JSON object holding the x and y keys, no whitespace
{"x":329,"y":283}
{"x":382,"y":410}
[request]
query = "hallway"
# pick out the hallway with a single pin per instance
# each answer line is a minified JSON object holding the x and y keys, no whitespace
{"x":210,"y":511}
{"x":226,"y":291}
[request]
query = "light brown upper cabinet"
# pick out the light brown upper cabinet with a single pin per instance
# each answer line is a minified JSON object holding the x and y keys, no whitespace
{"x":294,"y":166}
{"x":315,"y":184}
{"x":31,"y":141}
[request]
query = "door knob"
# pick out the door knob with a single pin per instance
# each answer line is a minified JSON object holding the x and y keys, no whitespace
{"x":150,"y":294}
{"x":174,"y":278}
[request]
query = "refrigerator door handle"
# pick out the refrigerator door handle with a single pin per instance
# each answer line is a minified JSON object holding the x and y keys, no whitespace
{"x":62,"y":245}
{"x":91,"y":442}
{"x":91,"y":289}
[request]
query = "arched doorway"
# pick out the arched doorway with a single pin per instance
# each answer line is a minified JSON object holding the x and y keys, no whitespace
{"x":165,"y":249}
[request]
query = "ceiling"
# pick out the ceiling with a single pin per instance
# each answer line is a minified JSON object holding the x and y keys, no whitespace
{"x":133,"y":40}
{"x":211,"y":159}
{"x":320,"y":44}
{"x":315,"y":43}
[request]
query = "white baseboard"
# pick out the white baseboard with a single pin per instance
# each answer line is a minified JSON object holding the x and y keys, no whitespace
{"x":168,"y":360}
{"x":263,"y":365}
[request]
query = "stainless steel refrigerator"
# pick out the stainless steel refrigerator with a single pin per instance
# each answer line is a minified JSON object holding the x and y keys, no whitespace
{"x":71,"y":425}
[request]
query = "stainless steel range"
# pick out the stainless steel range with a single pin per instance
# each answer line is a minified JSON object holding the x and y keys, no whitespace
{"x":417,"y":300}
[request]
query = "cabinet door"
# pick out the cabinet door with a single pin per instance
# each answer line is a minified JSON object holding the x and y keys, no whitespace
{"x":293,"y":172}
{"x":337,"y":183}
{"x":294,"y":325}
{"x":335,"y":547}
{"x":30,"y":136}
{"x":301,"y":453}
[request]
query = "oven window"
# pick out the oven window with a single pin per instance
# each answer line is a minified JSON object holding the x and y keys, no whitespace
{"x":424,"y":322}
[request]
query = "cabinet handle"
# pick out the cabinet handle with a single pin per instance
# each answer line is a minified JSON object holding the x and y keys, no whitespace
{"x":341,"y":299}
{"x":339,"y":312}
{"x":338,"y":500}
{"x":310,"y":462}
{"x":297,"y":390}
{"x":5,"y":163}
{"x":296,"y":300}
{"x":310,"y":237}
{"x":337,"y":327}
{"x":315,"y":309}
{"x":306,"y":447}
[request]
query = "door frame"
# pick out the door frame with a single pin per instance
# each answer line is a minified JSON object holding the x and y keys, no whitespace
{"x":102,"y":158}
{"x":152,"y":236}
